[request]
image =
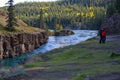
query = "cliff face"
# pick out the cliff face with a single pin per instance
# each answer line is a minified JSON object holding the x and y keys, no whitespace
{"x":15,"y":44}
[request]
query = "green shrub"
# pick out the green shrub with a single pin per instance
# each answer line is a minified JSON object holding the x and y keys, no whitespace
{"x":113,"y":54}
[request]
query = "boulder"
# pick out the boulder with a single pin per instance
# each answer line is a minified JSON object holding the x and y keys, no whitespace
{"x":64,"y":33}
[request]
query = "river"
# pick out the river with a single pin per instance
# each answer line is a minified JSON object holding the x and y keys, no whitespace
{"x":53,"y":42}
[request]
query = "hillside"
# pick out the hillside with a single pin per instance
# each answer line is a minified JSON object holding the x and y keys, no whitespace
{"x":73,"y":14}
{"x":21,"y":25}
{"x":85,"y":2}
{"x":2,"y":18}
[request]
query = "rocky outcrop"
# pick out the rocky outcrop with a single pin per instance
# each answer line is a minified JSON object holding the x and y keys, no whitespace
{"x":17,"y":44}
{"x":64,"y":33}
{"x":112,"y":24}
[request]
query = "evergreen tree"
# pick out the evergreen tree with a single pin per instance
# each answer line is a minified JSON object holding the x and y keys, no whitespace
{"x":111,"y":8}
{"x":11,"y":22}
{"x":41,"y":24}
{"x":54,"y":24}
{"x":57,"y":25}
{"x":117,"y":5}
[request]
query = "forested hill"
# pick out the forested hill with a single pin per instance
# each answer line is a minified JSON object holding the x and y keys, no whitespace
{"x":84,"y":14}
{"x":85,"y":2}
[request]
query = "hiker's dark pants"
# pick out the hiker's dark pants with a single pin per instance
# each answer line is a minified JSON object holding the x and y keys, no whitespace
{"x":102,"y":39}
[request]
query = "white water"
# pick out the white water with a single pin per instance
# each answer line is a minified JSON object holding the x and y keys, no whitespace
{"x":61,"y":41}
{"x":54,"y":42}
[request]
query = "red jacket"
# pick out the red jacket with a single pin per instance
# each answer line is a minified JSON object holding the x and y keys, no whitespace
{"x":103,"y":32}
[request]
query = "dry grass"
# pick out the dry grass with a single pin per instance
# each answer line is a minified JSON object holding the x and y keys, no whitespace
{"x":21,"y":26}
{"x":2,"y":20}
{"x":24,"y":27}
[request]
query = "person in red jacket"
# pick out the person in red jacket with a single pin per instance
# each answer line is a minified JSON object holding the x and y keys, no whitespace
{"x":102,"y":35}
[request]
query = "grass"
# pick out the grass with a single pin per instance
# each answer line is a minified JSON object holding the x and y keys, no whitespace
{"x":26,"y":29}
{"x":89,"y":58}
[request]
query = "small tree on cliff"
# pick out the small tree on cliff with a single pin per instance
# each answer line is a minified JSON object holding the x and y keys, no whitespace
{"x":11,"y":21}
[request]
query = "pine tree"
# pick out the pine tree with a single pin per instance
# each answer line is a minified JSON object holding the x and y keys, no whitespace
{"x":41,"y":24}
{"x":55,"y":24}
{"x":117,"y":6}
{"x":11,"y":21}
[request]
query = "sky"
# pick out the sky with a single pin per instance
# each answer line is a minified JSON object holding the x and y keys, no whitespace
{"x":2,"y":2}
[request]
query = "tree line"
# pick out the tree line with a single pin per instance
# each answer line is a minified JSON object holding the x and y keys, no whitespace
{"x":76,"y":14}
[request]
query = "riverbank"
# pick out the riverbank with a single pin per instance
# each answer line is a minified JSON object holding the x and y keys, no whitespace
{"x":88,"y":60}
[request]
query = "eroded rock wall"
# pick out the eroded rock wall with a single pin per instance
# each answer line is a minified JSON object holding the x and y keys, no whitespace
{"x":15,"y":44}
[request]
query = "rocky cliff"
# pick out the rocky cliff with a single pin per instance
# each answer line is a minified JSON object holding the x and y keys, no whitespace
{"x":112,"y":24}
{"x":16,"y":44}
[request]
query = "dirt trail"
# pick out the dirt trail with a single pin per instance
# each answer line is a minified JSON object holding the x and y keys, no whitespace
{"x":113,"y":76}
